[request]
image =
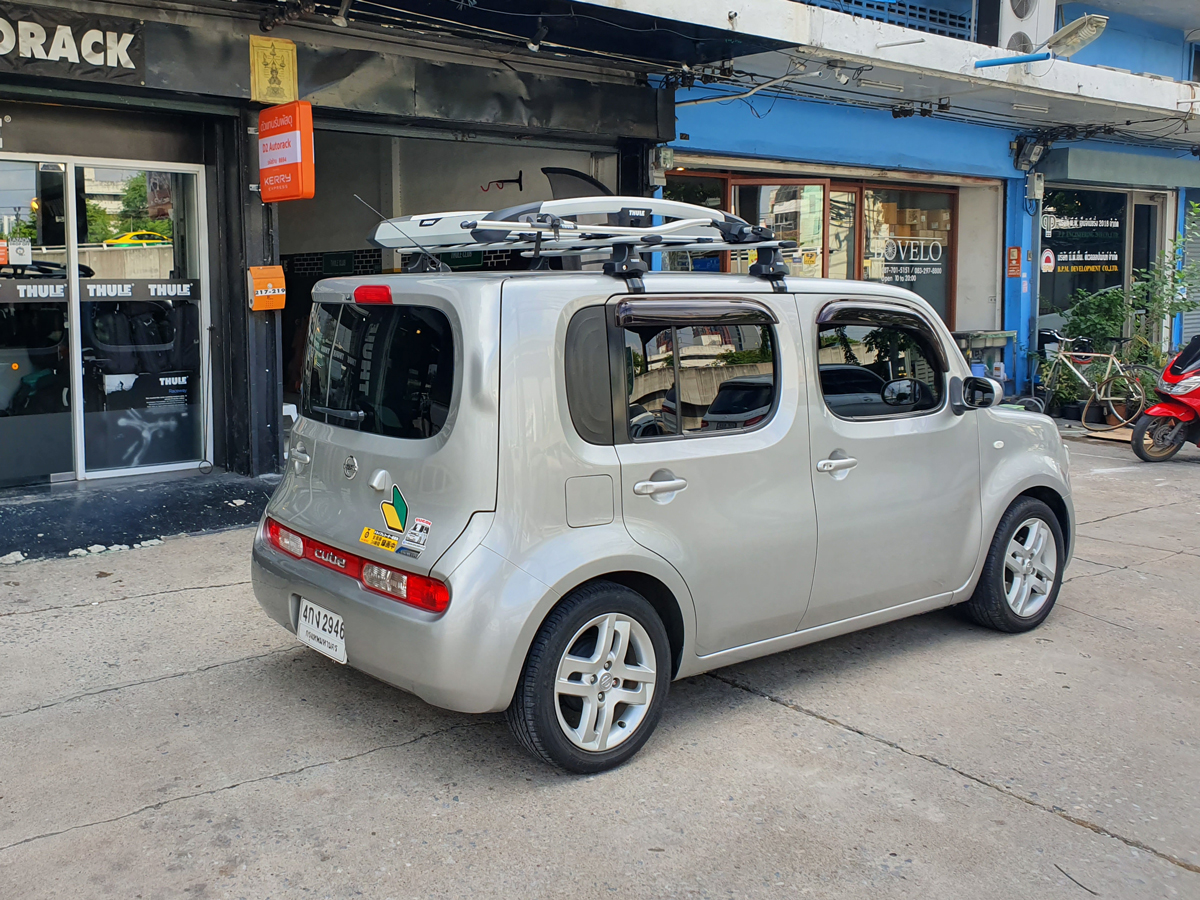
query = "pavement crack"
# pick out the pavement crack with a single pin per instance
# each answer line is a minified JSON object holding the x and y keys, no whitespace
{"x":1130,"y":512}
{"x":87,"y":603}
{"x":1097,"y":618}
{"x":49,"y":704}
{"x":999,"y":788}
{"x":425,"y":735}
{"x":1081,"y":884}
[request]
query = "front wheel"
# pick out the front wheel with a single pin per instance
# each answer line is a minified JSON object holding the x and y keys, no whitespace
{"x":1152,"y":438}
{"x":594,"y":682}
{"x":1023,"y":570}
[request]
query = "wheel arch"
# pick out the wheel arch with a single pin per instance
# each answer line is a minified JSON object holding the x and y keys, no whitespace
{"x":658,"y":595}
{"x":1057,"y":504}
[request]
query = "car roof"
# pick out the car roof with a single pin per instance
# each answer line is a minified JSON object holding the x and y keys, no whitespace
{"x":698,"y":285}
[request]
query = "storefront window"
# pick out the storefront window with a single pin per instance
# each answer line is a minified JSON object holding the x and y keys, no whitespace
{"x":701,"y":191}
{"x":795,"y":212}
{"x":909,"y":241}
{"x":1083,"y":248}
{"x":140,"y":317}
{"x":843,"y":234}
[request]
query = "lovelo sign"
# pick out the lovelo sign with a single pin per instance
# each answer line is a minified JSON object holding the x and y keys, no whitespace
{"x":285,"y":152}
{"x":66,"y":44}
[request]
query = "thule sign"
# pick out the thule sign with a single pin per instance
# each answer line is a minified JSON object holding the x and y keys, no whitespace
{"x":64,"y":44}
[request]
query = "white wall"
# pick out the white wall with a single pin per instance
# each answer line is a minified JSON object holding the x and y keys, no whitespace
{"x":980,"y":258}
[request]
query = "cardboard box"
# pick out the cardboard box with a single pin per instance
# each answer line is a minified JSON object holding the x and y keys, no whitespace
{"x":890,"y":213}
{"x":911,"y":216}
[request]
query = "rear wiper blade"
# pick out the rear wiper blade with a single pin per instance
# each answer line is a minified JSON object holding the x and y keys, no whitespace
{"x":354,"y":415}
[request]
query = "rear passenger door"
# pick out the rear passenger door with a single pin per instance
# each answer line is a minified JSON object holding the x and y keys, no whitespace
{"x":711,"y":436}
{"x":895,"y":469}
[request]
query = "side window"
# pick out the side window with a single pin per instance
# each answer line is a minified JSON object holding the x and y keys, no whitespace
{"x":875,"y":365}
{"x":699,"y":378}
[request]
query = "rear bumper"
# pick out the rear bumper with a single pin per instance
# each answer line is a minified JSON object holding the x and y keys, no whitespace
{"x":466,"y":659}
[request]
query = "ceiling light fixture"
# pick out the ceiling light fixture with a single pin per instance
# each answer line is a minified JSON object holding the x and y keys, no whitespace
{"x":882,"y":85}
{"x":1025,"y":107}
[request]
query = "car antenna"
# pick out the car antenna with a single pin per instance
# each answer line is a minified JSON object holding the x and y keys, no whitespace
{"x":426,"y":261}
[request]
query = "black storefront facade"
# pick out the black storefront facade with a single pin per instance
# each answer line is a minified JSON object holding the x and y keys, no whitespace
{"x":129,"y":210}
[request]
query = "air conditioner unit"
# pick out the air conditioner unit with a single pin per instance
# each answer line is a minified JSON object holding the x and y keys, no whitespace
{"x":1016,"y":25}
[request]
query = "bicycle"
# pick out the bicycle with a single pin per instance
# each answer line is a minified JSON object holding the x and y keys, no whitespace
{"x":1120,"y":392}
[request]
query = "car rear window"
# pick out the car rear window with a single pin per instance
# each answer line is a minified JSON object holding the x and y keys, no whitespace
{"x":387,"y":370}
{"x":734,"y":398}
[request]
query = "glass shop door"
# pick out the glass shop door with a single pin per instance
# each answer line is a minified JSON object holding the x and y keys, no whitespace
{"x":140,"y":289}
{"x":36,"y":436}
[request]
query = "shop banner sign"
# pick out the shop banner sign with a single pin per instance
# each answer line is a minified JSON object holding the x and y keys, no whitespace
{"x":61,"y":43}
{"x":285,"y":152}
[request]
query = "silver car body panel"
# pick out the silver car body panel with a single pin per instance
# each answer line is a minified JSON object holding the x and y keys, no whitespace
{"x":521,"y":497}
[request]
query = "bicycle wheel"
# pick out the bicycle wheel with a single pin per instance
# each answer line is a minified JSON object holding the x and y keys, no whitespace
{"x":1119,"y":400}
{"x":1147,"y":377}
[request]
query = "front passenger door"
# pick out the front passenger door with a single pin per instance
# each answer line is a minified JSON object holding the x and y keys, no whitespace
{"x":895,"y":469}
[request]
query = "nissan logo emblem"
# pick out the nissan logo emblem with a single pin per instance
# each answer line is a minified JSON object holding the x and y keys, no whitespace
{"x":350,"y":467}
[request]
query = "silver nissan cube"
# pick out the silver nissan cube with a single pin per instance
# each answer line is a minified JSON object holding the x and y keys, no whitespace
{"x":554,"y":492}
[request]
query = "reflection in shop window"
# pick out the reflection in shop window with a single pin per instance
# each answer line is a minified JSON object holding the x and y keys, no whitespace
{"x":794,"y":212}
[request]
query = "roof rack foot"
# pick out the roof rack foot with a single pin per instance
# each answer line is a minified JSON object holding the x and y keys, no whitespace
{"x":626,"y":263}
{"x":770,"y":265}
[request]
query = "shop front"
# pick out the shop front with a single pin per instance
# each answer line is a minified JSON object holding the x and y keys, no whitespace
{"x":130,"y":209}
{"x":104,"y":298}
{"x":891,"y":232}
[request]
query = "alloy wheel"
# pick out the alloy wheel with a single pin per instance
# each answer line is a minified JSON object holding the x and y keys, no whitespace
{"x":1030,"y":567}
{"x":605,"y":682}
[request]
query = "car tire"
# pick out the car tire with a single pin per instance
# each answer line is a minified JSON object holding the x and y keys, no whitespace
{"x":1017,"y":588}
{"x":1154,"y":428}
{"x":572,"y":708}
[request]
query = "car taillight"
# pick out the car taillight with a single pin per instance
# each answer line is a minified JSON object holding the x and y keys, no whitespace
{"x":704,"y":423}
{"x":372,"y":293}
{"x":287,"y":541}
{"x":750,"y":423}
{"x":413,"y":589}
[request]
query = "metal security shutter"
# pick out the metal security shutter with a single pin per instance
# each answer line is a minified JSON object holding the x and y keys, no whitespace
{"x":1191,"y":320}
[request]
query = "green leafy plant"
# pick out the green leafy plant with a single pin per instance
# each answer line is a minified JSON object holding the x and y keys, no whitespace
{"x":1170,"y":286}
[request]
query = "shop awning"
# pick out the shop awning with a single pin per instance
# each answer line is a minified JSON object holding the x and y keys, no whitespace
{"x":1125,"y":169}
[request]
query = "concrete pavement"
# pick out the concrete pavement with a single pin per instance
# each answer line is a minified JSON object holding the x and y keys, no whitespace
{"x":159,"y":737}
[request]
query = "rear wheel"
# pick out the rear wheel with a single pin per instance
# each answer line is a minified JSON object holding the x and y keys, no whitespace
{"x":594,"y":682}
{"x":1023,"y":570}
{"x":1117,"y":400}
{"x":1152,"y":439}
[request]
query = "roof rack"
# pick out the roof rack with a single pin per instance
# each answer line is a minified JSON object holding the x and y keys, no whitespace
{"x":627,"y":226}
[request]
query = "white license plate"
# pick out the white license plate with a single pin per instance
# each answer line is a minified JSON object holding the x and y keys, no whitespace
{"x":322,"y":630}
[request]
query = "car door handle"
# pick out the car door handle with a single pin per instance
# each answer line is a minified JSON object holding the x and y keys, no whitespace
{"x":301,"y":457}
{"x":836,"y":465}
{"x":647,"y":488}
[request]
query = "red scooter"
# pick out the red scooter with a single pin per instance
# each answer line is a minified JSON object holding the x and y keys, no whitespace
{"x":1175,"y":418}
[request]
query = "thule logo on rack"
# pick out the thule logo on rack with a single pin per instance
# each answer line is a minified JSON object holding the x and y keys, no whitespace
{"x":330,"y":559}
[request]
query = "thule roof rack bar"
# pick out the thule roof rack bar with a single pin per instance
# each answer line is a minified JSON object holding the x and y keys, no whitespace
{"x":627,"y":226}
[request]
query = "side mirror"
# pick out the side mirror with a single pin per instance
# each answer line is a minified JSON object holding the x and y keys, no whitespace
{"x":981,"y":393}
{"x":901,"y":392}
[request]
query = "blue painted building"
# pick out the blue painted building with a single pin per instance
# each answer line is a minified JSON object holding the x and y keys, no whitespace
{"x":878,"y":146}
